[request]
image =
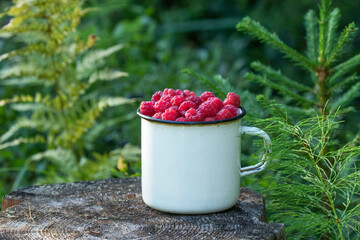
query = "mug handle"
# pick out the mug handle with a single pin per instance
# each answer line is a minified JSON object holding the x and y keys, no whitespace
{"x":267,"y":144}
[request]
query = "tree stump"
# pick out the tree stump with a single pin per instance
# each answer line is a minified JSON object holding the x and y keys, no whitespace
{"x":113,"y":209}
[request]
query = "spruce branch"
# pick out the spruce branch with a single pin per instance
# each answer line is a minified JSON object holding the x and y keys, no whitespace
{"x":283,"y":90}
{"x":344,"y":39}
{"x":344,"y":68}
{"x":334,"y":19}
{"x":347,"y":81}
{"x":311,"y":35}
{"x":346,"y":98}
{"x":257,"y":30}
{"x":323,"y":21}
{"x":279,"y":77}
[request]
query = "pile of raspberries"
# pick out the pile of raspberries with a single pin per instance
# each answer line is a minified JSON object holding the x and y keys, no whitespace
{"x":185,"y":106}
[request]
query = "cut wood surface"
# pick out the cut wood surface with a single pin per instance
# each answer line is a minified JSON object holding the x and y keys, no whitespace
{"x":113,"y":209}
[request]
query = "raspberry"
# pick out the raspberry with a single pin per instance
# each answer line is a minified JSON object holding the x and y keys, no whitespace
{"x":205,"y":95}
{"x":169,"y":114}
{"x":232,"y":99}
{"x":157,"y":115}
{"x":197,"y":100}
{"x":192,"y":115}
{"x":166,"y":98}
{"x":208,"y":119}
{"x":176,"y":109}
{"x":189,"y":93}
{"x":156,"y":97}
{"x":191,"y":112}
{"x":208,"y":109}
{"x":180,"y":92}
{"x":217,"y":101}
{"x":161,"y":106}
{"x":177,"y":100}
{"x":147,"y":108}
{"x":232,"y":108}
{"x":181,"y":119}
{"x":223,"y":114}
{"x":186,"y":105}
{"x":169,"y":91}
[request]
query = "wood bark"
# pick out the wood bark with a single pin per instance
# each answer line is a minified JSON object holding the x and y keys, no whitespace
{"x":113,"y":209}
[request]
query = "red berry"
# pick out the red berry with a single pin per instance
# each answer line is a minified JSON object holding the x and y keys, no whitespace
{"x":223,"y":114}
{"x":177,"y":100}
{"x":169,"y":114}
{"x":166,"y":98}
{"x":180,"y":92}
{"x":208,"y":119}
{"x":205,"y":95}
{"x":181,"y":119}
{"x":208,"y":109}
{"x":191,"y":112}
{"x":189,"y":93}
{"x":169,"y":91}
{"x":197,"y":100}
{"x":156,"y":97}
{"x":186,"y":105}
{"x":176,"y":109}
{"x":232,"y":99}
{"x":147,"y":108}
{"x":232,"y":108}
{"x":218,"y":102}
{"x":161,"y":106}
{"x":157,"y":115}
{"x":192,"y":115}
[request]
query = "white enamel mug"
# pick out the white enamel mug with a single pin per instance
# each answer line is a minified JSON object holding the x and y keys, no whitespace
{"x":194,"y":168}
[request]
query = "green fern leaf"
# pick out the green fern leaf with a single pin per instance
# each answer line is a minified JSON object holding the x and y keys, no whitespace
{"x":20,"y":124}
{"x":92,"y":60}
{"x":106,"y":75}
{"x":18,"y":141}
{"x":256,"y":29}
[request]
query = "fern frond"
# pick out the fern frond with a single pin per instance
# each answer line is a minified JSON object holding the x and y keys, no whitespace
{"x":283,"y":90}
{"x":256,"y":29}
{"x":346,"y":98}
{"x":21,"y":123}
{"x":18,"y":141}
{"x":16,"y":99}
{"x":311,"y":35}
{"x":345,"y":37}
{"x":279,"y":77}
{"x":21,"y":81}
{"x":106,"y":75}
{"x":114,"y":102}
{"x":60,"y":157}
{"x":218,"y":85}
{"x":92,"y":59}
{"x":334,"y":19}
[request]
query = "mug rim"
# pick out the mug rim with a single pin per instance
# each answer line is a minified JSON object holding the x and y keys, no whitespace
{"x":241,"y":115}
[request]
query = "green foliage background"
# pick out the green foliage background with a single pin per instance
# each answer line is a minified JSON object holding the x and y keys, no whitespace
{"x":159,"y":39}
